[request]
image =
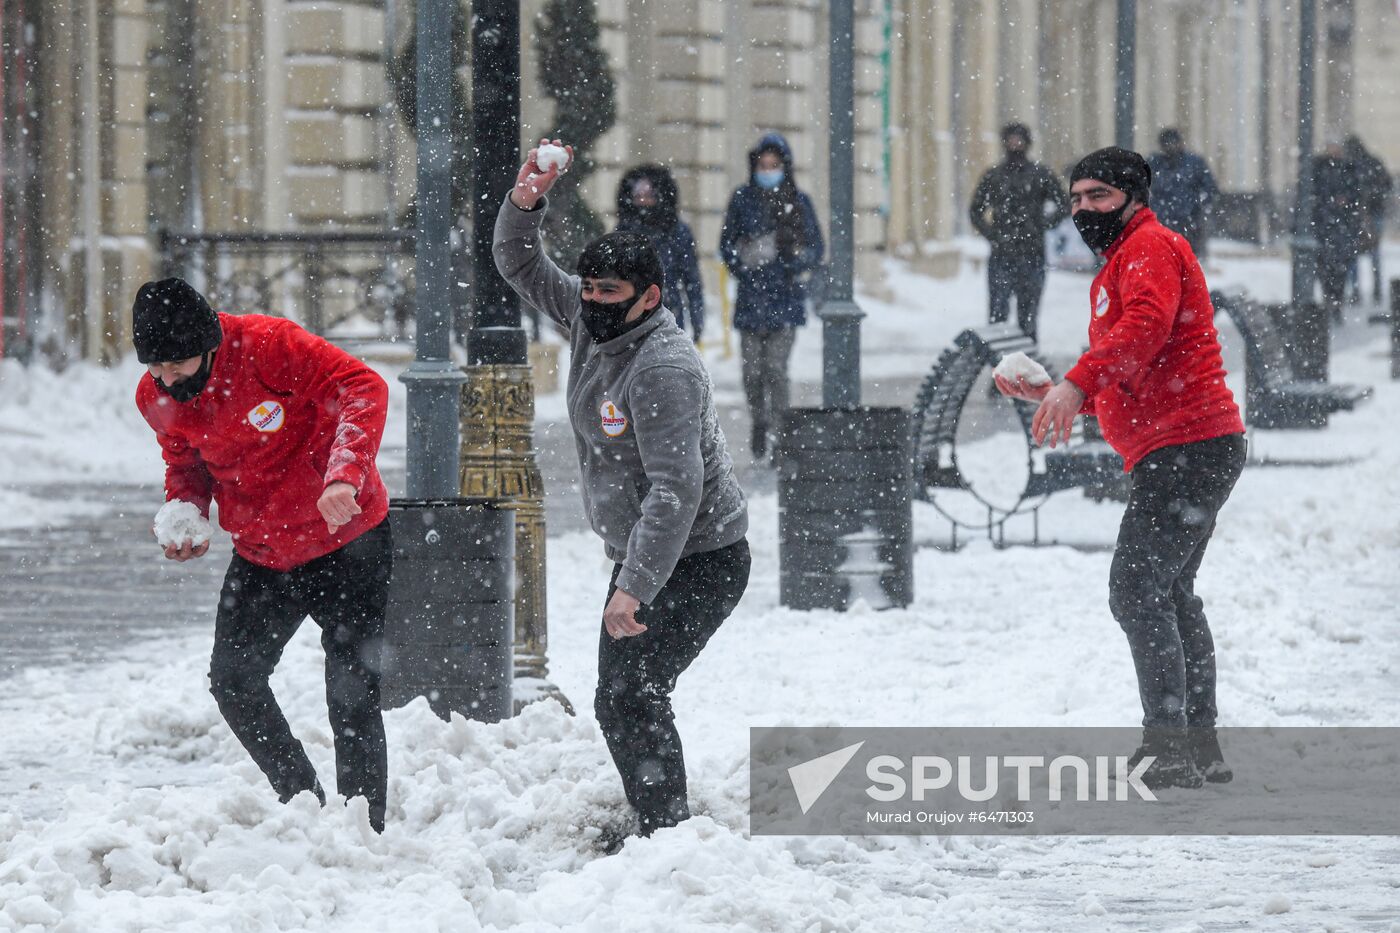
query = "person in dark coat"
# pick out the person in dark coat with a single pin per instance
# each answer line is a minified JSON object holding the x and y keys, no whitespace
{"x":1373,"y":189}
{"x":772,"y":244}
{"x":1336,"y":219}
{"x":1182,"y":189}
{"x":1025,"y":200}
{"x":649,"y":203}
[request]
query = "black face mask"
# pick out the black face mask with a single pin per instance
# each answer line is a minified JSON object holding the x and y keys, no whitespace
{"x":1100,"y":228}
{"x":604,"y":320}
{"x":188,"y":389}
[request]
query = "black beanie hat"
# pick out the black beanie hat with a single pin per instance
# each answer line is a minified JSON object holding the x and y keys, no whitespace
{"x":1122,"y":168}
{"x":170,"y":321}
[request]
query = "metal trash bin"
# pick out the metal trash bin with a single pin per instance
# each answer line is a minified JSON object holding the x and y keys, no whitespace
{"x":449,"y":629}
{"x":845,"y":517}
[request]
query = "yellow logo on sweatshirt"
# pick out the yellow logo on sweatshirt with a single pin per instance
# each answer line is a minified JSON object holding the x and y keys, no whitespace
{"x":268,"y":417}
{"x":614,"y":421}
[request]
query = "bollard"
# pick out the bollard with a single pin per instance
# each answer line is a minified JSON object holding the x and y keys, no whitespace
{"x":449,"y":629}
{"x":845,"y":516}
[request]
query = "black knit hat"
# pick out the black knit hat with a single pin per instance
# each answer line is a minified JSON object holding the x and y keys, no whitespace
{"x":1122,"y":168}
{"x":170,"y":321}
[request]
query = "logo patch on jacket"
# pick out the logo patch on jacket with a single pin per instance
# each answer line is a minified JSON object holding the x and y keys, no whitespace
{"x":268,"y":417}
{"x":614,"y":421}
{"x":1101,"y":303}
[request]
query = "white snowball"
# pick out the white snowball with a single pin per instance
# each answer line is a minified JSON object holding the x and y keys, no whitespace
{"x":1277,"y":904}
{"x":179,"y":521}
{"x":1018,"y":364}
{"x":550,"y":155}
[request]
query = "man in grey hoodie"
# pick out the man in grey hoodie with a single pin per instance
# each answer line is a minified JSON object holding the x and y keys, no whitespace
{"x":658,"y":483}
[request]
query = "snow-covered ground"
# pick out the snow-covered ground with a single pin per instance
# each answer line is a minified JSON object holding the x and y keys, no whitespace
{"x":161,"y":823}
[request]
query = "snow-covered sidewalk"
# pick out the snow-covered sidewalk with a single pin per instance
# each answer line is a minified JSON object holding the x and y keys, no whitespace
{"x":166,"y":825}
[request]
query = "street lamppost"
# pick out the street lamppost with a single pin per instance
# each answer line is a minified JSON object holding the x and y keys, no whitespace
{"x":498,"y":455}
{"x":1304,"y":244}
{"x":434,"y":384}
{"x":856,"y":541}
{"x":1311,"y":329}
{"x":840,"y":314}
{"x":1126,"y":74}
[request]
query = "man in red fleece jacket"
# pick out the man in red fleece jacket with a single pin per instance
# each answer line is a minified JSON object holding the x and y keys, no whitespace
{"x":1154,"y":378}
{"x":281,"y":429}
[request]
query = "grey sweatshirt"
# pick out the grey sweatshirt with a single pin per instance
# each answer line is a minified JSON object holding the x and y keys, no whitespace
{"x":658,"y":482}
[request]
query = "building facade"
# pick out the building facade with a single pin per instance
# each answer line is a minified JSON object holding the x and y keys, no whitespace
{"x":123,"y":118}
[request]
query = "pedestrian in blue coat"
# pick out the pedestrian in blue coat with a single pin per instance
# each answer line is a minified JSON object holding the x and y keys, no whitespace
{"x":1182,"y":189}
{"x":772,"y":244}
{"x":648,"y":203}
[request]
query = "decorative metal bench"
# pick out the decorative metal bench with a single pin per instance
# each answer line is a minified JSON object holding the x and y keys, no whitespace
{"x":1276,"y":394}
{"x":1024,"y":475}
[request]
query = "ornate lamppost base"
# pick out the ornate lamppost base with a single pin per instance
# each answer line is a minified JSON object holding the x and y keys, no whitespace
{"x":499,"y":463}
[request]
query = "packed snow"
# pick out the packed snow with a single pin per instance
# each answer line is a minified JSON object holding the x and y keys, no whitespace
{"x":178,"y":522}
{"x":551,"y":156}
{"x":1017,"y":365}
{"x":132,"y":808}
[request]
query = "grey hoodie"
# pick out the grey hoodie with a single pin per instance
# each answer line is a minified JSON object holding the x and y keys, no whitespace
{"x":658,"y":482}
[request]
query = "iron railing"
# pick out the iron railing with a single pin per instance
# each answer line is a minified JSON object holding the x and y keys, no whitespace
{"x":323,"y":281}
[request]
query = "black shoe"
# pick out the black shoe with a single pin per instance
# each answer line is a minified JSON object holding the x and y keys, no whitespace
{"x":1210,"y":761}
{"x":611,"y":840}
{"x":758,"y":442}
{"x":1172,"y":765}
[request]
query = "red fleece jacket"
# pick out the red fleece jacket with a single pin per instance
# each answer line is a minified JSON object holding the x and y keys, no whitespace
{"x":1153,"y":374}
{"x":284,"y":415}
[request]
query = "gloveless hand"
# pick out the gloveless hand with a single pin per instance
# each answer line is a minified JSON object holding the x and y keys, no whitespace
{"x":1055,"y":416}
{"x":337,"y":505}
{"x":620,"y":616}
{"x":532,"y":182}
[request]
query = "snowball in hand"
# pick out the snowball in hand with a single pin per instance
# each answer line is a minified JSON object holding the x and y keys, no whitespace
{"x":179,"y":521}
{"x":1018,"y":365}
{"x":549,"y":156}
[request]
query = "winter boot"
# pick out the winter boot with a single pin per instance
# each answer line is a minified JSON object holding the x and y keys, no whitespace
{"x":1173,"y":765}
{"x":1205,"y":751}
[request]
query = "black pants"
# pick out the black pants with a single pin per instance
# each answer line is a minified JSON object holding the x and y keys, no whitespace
{"x":1018,"y":272}
{"x":636,"y":676}
{"x":1177,"y":493}
{"x":765,"y":357}
{"x":259,"y":611}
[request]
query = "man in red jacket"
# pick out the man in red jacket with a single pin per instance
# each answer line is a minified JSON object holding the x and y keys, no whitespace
{"x":1154,"y":378}
{"x":281,"y":429}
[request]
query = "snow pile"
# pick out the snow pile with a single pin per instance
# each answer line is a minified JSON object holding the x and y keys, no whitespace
{"x":179,"y":521}
{"x":1018,"y":365}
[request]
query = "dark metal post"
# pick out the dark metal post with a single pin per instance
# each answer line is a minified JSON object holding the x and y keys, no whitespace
{"x":1304,"y":243}
{"x":840,"y":314}
{"x":434,"y":384}
{"x":496,"y":337}
{"x":1126,"y":74}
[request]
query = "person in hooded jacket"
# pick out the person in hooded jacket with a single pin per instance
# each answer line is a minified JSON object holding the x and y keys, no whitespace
{"x":1154,"y":377}
{"x":1024,"y":200}
{"x":772,"y":244}
{"x":1337,"y":222}
{"x":1373,"y":191}
{"x":281,"y":429}
{"x":1182,"y":189}
{"x":658,"y":484}
{"x":648,"y":203}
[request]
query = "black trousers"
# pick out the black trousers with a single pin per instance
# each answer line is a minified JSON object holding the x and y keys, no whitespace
{"x":765,"y":355}
{"x":637,"y":675}
{"x":1018,"y":272}
{"x":1177,"y":493}
{"x":259,"y":611}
